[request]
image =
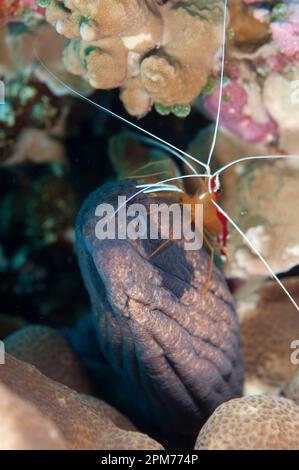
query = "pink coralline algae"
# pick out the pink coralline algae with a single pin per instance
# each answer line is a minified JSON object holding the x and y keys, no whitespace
{"x":285,"y":31}
{"x":237,"y":116}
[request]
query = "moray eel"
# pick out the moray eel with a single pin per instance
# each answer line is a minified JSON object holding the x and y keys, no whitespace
{"x":175,"y":352}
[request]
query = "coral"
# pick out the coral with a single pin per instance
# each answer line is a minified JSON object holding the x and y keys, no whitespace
{"x":261,"y":75}
{"x":50,"y":353}
{"x":34,"y":146}
{"x":13,"y":10}
{"x":293,"y":389}
{"x":23,"y":427}
{"x":263,"y":202}
{"x":33,"y":117}
{"x":261,"y":198}
{"x":252,"y":423}
{"x":249,"y":32}
{"x":175,"y":351}
{"x":82,"y":424}
{"x":280,"y":96}
{"x":164,"y":340}
{"x":243,"y":110}
{"x":30,"y":112}
{"x":285,"y":28}
{"x":269,"y":324}
{"x":156,"y":52}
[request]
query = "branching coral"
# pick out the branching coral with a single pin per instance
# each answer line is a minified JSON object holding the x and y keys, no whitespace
{"x":157,"y":52}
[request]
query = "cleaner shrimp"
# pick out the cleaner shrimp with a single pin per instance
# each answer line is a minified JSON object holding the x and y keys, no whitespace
{"x":216,"y":219}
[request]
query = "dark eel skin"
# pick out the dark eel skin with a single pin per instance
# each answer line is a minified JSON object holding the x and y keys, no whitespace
{"x":175,"y":353}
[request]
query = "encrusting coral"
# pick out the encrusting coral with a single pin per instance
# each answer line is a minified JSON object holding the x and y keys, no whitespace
{"x":157,"y":52}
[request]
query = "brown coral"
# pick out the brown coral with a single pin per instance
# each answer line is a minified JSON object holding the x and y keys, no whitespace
{"x":49,"y":351}
{"x":165,"y":50}
{"x":249,"y":33}
{"x":269,"y":325}
{"x":82,"y":424}
{"x":293,"y":389}
{"x":263,"y":202}
{"x":252,"y":423}
{"x":23,"y":427}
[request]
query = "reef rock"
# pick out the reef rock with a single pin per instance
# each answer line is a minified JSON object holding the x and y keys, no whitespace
{"x":175,"y":350}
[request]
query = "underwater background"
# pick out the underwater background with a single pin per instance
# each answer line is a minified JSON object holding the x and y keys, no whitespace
{"x":140,"y":344}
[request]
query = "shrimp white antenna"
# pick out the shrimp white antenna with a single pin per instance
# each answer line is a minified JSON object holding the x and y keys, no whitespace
{"x":160,"y":184}
{"x":223,"y":212}
{"x":257,"y":157}
{"x":221,"y":85}
{"x":173,"y":188}
{"x":120,"y":118}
